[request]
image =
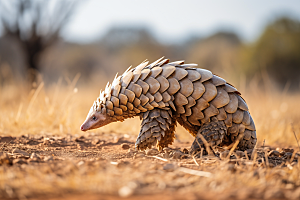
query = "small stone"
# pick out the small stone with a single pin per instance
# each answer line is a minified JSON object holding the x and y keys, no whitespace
{"x":152,"y":152}
{"x":48,"y":158}
{"x":224,"y":154}
{"x":177,"y":155}
{"x":80,"y":163}
{"x":274,"y":153}
{"x":138,"y":155}
{"x":125,"y":146}
{"x":19,"y":161}
{"x":18,"y":151}
{"x":169,"y":167}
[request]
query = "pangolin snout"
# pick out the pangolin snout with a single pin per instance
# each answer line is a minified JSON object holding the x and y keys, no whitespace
{"x":82,"y":127}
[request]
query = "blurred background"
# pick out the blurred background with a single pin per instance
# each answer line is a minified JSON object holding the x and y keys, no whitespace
{"x":51,"y":51}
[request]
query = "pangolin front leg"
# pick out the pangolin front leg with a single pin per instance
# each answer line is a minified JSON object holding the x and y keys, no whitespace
{"x":213,"y":132}
{"x":157,"y":129}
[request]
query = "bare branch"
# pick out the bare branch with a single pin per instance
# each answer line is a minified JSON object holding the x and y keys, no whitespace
{"x":35,"y":24}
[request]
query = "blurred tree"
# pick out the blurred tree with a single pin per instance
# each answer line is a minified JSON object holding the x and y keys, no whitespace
{"x":277,"y":52}
{"x":35,"y":25}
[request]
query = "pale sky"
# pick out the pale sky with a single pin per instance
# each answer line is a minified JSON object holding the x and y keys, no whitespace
{"x":174,"y":20}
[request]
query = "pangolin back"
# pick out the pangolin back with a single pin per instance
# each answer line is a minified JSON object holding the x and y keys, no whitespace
{"x":189,"y":95}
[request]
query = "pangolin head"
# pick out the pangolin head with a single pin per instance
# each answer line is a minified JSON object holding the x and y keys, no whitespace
{"x":97,"y":116}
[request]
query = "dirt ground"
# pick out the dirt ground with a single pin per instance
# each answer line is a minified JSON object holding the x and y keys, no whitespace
{"x":107,"y":166}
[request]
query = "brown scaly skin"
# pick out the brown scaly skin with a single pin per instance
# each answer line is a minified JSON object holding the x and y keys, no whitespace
{"x":163,"y":93}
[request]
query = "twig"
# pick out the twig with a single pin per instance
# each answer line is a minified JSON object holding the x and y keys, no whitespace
{"x":235,"y":144}
{"x":266,"y":157}
{"x":195,"y":161}
{"x":207,"y":146}
{"x":293,"y":156}
{"x":295,"y":135}
{"x":264,"y":143}
{"x":195,"y":172}
{"x":159,"y":158}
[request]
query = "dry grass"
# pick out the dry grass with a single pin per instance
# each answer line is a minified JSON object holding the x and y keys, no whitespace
{"x":62,"y":107}
{"x":59,"y":109}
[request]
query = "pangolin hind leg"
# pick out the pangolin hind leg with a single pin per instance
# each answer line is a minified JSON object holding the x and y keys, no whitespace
{"x":213,"y":132}
{"x":157,"y":128}
{"x":248,"y":141}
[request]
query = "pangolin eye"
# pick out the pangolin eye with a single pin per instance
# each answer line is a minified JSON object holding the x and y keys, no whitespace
{"x":94,"y":118}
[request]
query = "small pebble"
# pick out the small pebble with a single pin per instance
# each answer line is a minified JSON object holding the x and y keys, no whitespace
{"x":80,"y":163}
{"x":138,"y":155}
{"x":169,"y":167}
{"x":125,"y":146}
{"x":177,"y":155}
{"x":152,"y":152}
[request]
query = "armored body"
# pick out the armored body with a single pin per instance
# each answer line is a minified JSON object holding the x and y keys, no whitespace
{"x":163,"y":93}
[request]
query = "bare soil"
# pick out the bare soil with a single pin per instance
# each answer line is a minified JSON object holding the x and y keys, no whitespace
{"x":107,"y":166}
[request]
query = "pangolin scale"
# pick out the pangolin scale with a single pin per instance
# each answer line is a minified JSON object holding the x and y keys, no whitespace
{"x":163,"y":93}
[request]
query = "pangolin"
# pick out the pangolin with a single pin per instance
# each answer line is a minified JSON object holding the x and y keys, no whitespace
{"x":163,"y":93}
